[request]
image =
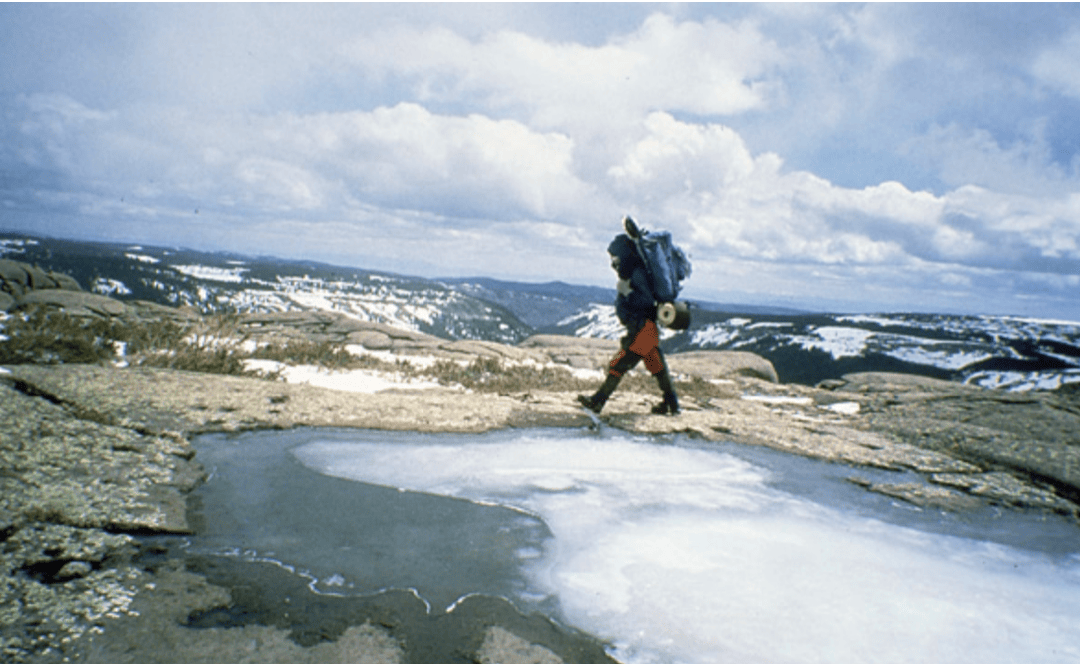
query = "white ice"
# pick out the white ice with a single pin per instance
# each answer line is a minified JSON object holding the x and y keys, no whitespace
{"x":679,"y":554}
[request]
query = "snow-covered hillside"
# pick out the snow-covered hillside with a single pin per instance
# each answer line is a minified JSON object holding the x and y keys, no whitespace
{"x":229,"y":283}
{"x":988,"y":351}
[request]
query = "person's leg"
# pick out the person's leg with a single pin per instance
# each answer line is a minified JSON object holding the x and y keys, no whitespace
{"x":620,"y":364}
{"x":657,"y":365}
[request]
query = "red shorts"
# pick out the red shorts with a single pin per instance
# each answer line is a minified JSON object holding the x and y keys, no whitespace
{"x":646,"y":345}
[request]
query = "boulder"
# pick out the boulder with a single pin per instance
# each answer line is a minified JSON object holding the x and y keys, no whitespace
{"x":13,"y":277}
{"x":892,"y":381}
{"x":566,"y":342}
{"x":77,"y":303}
{"x":65,"y":282}
{"x":722,"y":364}
{"x":17,"y":278}
{"x":374,"y":340}
{"x":576,"y":352}
{"x":503,"y":647}
{"x":479,"y":348}
{"x":148,"y":311}
{"x":39,"y":279}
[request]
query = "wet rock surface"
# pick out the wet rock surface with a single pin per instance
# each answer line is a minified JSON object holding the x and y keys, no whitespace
{"x":95,"y":460}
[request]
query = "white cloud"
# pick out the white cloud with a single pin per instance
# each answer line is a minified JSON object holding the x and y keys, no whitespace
{"x":56,"y":131}
{"x":1056,"y":65}
{"x":407,"y":157}
{"x":973,"y":156}
{"x":404,"y":157}
{"x":704,"y":68}
{"x":1037,"y":233}
{"x":674,"y":158}
{"x":292,"y":187}
{"x":701,"y":180}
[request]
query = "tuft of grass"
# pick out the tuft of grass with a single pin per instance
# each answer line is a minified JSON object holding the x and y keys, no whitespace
{"x":490,"y":375}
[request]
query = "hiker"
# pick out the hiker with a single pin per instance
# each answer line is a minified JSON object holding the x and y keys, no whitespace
{"x":635,"y":305}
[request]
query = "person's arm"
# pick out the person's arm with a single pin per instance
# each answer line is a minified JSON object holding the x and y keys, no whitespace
{"x":641,"y":298}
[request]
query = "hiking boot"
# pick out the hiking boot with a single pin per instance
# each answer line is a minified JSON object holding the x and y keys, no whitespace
{"x":592,"y":403}
{"x":596,"y":401}
{"x":670,"y":405}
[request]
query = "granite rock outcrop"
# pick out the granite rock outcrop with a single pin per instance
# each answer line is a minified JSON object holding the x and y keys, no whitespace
{"x":95,"y":457}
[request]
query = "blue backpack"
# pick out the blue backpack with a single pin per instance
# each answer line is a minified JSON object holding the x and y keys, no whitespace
{"x":665,"y":262}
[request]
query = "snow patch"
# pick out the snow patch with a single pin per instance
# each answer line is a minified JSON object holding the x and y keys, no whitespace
{"x":1023,"y":381}
{"x":110,"y":287}
{"x":779,"y":399}
{"x":353,"y":381}
{"x":14,"y":246}
{"x":211,"y":272}
{"x":599,"y":321}
{"x":144,"y":258}
{"x":838,"y":341}
{"x":846,"y":408}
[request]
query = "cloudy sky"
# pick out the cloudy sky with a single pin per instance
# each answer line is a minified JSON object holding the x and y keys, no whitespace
{"x":875,"y":157}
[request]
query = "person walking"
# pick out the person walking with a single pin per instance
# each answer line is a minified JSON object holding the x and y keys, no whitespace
{"x":635,"y":306}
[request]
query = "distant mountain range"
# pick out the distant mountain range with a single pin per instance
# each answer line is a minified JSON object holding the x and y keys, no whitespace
{"x":804,"y":347}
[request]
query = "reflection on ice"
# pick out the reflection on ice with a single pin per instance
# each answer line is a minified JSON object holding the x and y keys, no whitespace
{"x":677,"y":553}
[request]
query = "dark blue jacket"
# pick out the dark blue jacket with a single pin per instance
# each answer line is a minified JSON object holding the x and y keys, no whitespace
{"x":639,"y":305}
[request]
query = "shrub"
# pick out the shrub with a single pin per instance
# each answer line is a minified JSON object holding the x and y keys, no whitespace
{"x":42,"y":334}
{"x":213,"y":344}
{"x":195,"y":359}
{"x":326,"y":354}
{"x":153,"y":336}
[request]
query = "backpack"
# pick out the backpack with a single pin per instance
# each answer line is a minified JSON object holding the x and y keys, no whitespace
{"x":665,"y":263}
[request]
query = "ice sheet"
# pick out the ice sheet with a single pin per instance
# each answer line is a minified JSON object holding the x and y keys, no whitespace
{"x":688,"y":554}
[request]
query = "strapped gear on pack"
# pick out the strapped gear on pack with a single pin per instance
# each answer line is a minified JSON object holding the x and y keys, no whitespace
{"x":675,"y":315}
{"x":667,"y":266}
{"x":665,"y":262}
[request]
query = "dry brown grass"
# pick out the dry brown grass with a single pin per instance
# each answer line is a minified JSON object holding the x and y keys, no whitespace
{"x":219,"y":344}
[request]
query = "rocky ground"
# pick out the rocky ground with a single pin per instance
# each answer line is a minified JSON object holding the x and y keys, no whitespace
{"x":95,"y":459}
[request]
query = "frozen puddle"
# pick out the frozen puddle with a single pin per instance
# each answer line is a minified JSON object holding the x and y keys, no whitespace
{"x":669,"y":550}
